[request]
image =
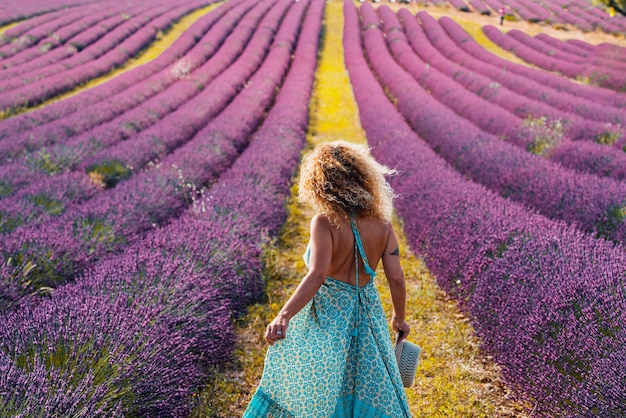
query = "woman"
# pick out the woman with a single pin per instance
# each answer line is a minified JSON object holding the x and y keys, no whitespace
{"x":330,"y":354}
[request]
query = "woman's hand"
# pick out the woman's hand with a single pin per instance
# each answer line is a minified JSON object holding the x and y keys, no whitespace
{"x":400,"y":326}
{"x":277,"y":329}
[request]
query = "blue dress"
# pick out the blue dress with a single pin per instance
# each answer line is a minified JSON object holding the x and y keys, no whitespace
{"x":337,"y":359}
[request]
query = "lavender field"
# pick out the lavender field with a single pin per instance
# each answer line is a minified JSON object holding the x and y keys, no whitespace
{"x":134,"y":214}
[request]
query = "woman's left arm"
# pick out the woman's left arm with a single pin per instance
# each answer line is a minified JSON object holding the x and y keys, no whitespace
{"x":319,"y":264}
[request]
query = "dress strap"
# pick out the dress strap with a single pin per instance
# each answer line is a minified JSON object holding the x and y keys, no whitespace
{"x":359,"y":250}
{"x":358,"y":244}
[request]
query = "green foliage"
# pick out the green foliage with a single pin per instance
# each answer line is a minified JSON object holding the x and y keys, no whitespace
{"x":612,"y":221}
{"x":8,"y":223}
{"x":95,"y":233}
{"x":52,"y":163}
{"x":608,"y":138}
{"x":75,"y":362}
{"x":107,"y":174}
{"x":50,"y":205}
{"x":544,"y":133}
{"x":5,"y":188}
{"x":39,"y":273}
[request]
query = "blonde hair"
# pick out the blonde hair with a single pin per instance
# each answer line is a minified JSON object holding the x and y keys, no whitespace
{"x":343,"y":179}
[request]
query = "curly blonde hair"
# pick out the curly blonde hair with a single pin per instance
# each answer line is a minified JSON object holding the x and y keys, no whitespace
{"x":343,"y":179}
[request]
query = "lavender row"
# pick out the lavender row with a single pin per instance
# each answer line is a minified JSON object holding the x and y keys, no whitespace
{"x":546,"y":300}
{"x":451,"y":88}
{"x":529,"y":11}
{"x":603,"y":77}
{"x":494,"y":4}
{"x":108,"y":37}
{"x":541,"y":47}
{"x":113,"y":220}
{"x":132,"y":110}
{"x":42,"y":44}
{"x":492,"y":107}
{"x":480,"y":7}
{"x":29,"y":9}
{"x":40,"y":32}
{"x":28,"y":40}
{"x":96,"y":40}
{"x":472,"y":48}
{"x":592,"y":14}
{"x":29,"y":200}
{"x":600,"y":11}
{"x":584,"y":17}
{"x":544,"y":128}
{"x":602,"y":51}
{"x":593,"y":204}
{"x":179,"y":48}
{"x":563,"y":45}
{"x":61,"y":82}
{"x":188,"y":325}
{"x":36,"y":18}
{"x":591,"y":158}
{"x":586,"y":20}
{"x":54,"y":162}
{"x":152,"y":144}
{"x":564,"y":16}
{"x":459,"y":5}
{"x":48,"y":198}
{"x":522,"y":85}
{"x":522,"y":82}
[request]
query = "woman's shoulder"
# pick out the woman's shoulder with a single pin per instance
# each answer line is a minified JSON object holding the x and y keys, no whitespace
{"x":323,"y":220}
{"x":321,"y":223}
{"x":320,"y":219}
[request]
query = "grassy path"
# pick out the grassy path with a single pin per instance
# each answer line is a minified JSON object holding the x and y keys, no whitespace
{"x":9,"y":26}
{"x":454,"y":378}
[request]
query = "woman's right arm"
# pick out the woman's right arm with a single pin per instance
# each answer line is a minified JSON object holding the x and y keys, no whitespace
{"x":319,"y":264}
{"x":395,"y":277}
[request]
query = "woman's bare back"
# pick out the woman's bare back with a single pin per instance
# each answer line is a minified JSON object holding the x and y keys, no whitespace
{"x":375,"y":237}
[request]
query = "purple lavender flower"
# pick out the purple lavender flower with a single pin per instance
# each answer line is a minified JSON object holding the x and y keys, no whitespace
{"x":547,"y":300}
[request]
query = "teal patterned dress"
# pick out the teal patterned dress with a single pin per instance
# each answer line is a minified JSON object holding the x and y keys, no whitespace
{"x":337,"y":359}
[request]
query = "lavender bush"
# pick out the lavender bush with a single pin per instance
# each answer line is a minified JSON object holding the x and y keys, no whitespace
{"x":30,"y":9}
{"x":175,"y":303}
{"x":56,"y":83}
{"x":113,"y":220}
{"x":604,"y":77}
{"x":56,"y":38}
{"x":567,"y":104}
{"x":117,"y":162}
{"x":137,"y":107}
{"x":53,"y":111}
{"x":567,"y":125}
{"x":591,"y":203}
{"x":557,"y":53}
{"x":467,"y":43}
{"x":559,"y":336}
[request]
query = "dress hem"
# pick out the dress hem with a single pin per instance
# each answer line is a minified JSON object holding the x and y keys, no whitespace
{"x":262,"y":406}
